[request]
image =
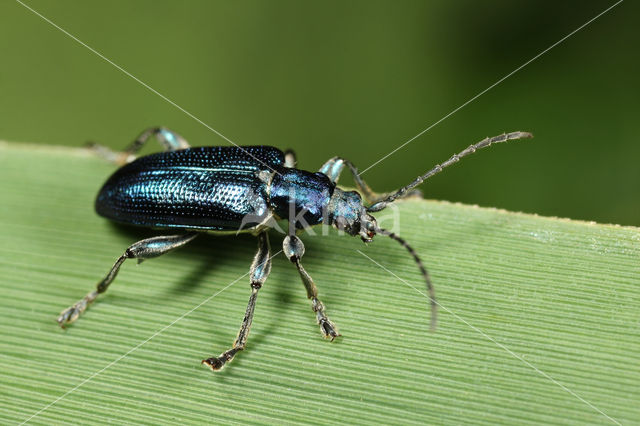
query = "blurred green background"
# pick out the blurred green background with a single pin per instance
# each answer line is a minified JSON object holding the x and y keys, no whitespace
{"x":355,"y":79}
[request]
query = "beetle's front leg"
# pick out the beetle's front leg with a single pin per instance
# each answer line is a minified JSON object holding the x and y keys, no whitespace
{"x":294,"y":250}
{"x":259,"y":272}
{"x":144,"y":249}
{"x":334,"y":167}
{"x":290,"y":159}
{"x":170,"y":141}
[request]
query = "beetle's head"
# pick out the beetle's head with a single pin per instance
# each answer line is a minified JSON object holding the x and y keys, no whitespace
{"x":348,"y":214}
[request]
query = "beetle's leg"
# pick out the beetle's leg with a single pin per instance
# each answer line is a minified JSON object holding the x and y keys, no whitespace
{"x":294,"y":250}
{"x":334,"y":167}
{"x":169,"y":139}
{"x":290,"y":159}
{"x":259,"y":272}
{"x":144,"y":249}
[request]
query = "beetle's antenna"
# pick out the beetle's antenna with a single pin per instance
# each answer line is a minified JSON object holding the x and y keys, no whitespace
{"x":454,"y":159}
{"x":423,"y":270}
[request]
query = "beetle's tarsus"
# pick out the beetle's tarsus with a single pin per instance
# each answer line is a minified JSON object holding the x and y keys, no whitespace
{"x":67,"y":316}
{"x":73,"y":312}
{"x":119,"y":158}
{"x":327,"y":327}
{"x":218,"y":363}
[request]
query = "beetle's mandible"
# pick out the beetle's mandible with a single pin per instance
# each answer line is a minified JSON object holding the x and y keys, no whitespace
{"x":229,"y":189}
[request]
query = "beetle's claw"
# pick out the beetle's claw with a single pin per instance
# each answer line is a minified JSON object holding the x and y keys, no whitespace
{"x":215,"y":364}
{"x":328,"y":329}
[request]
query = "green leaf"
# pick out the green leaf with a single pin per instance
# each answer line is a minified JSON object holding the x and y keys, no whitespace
{"x":540,"y":317}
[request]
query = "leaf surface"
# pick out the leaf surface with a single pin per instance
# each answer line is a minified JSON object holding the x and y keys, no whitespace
{"x":539,"y":319}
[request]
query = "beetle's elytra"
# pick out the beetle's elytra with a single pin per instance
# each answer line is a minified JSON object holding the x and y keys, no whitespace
{"x":226,"y":190}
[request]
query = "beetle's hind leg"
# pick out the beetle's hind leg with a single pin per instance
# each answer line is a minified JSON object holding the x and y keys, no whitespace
{"x":294,"y":250}
{"x":144,"y":249}
{"x":169,"y":139}
{"x":259,"y":272}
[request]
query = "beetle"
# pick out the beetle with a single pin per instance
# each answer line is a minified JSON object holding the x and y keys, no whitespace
{"x":230,"y":189}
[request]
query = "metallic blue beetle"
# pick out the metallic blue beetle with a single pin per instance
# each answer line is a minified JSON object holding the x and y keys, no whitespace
{"x":241,"y":189}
